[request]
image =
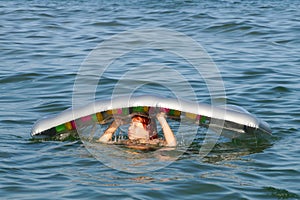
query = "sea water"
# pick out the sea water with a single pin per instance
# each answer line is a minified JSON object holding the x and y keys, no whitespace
{"x":254,"y":44}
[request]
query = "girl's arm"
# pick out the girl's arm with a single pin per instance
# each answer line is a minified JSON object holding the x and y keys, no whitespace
{"x":168,"y":133}
{"x":108,"y":133}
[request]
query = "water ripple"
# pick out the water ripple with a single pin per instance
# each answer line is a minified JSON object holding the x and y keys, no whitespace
{"x":255,"y":45}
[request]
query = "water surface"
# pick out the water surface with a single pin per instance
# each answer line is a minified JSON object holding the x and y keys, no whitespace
{"x":255,"y":45}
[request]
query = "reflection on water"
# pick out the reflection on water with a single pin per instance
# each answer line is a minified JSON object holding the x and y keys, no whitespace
{"x":235,"y":150}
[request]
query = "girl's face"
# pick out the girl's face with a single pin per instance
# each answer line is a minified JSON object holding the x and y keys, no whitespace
{"x":137,"y":128}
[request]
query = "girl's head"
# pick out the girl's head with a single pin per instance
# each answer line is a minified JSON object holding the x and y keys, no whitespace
{"x":142,"y":127}
{"x":145,"y":121}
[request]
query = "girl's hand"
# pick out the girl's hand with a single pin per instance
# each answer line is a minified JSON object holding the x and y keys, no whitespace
{"x":161,"y":114}
{"x":168,"y":133}
{"x":119,"y":121}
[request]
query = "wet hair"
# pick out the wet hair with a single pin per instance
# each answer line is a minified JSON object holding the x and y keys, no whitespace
{"x":144,"y":120}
